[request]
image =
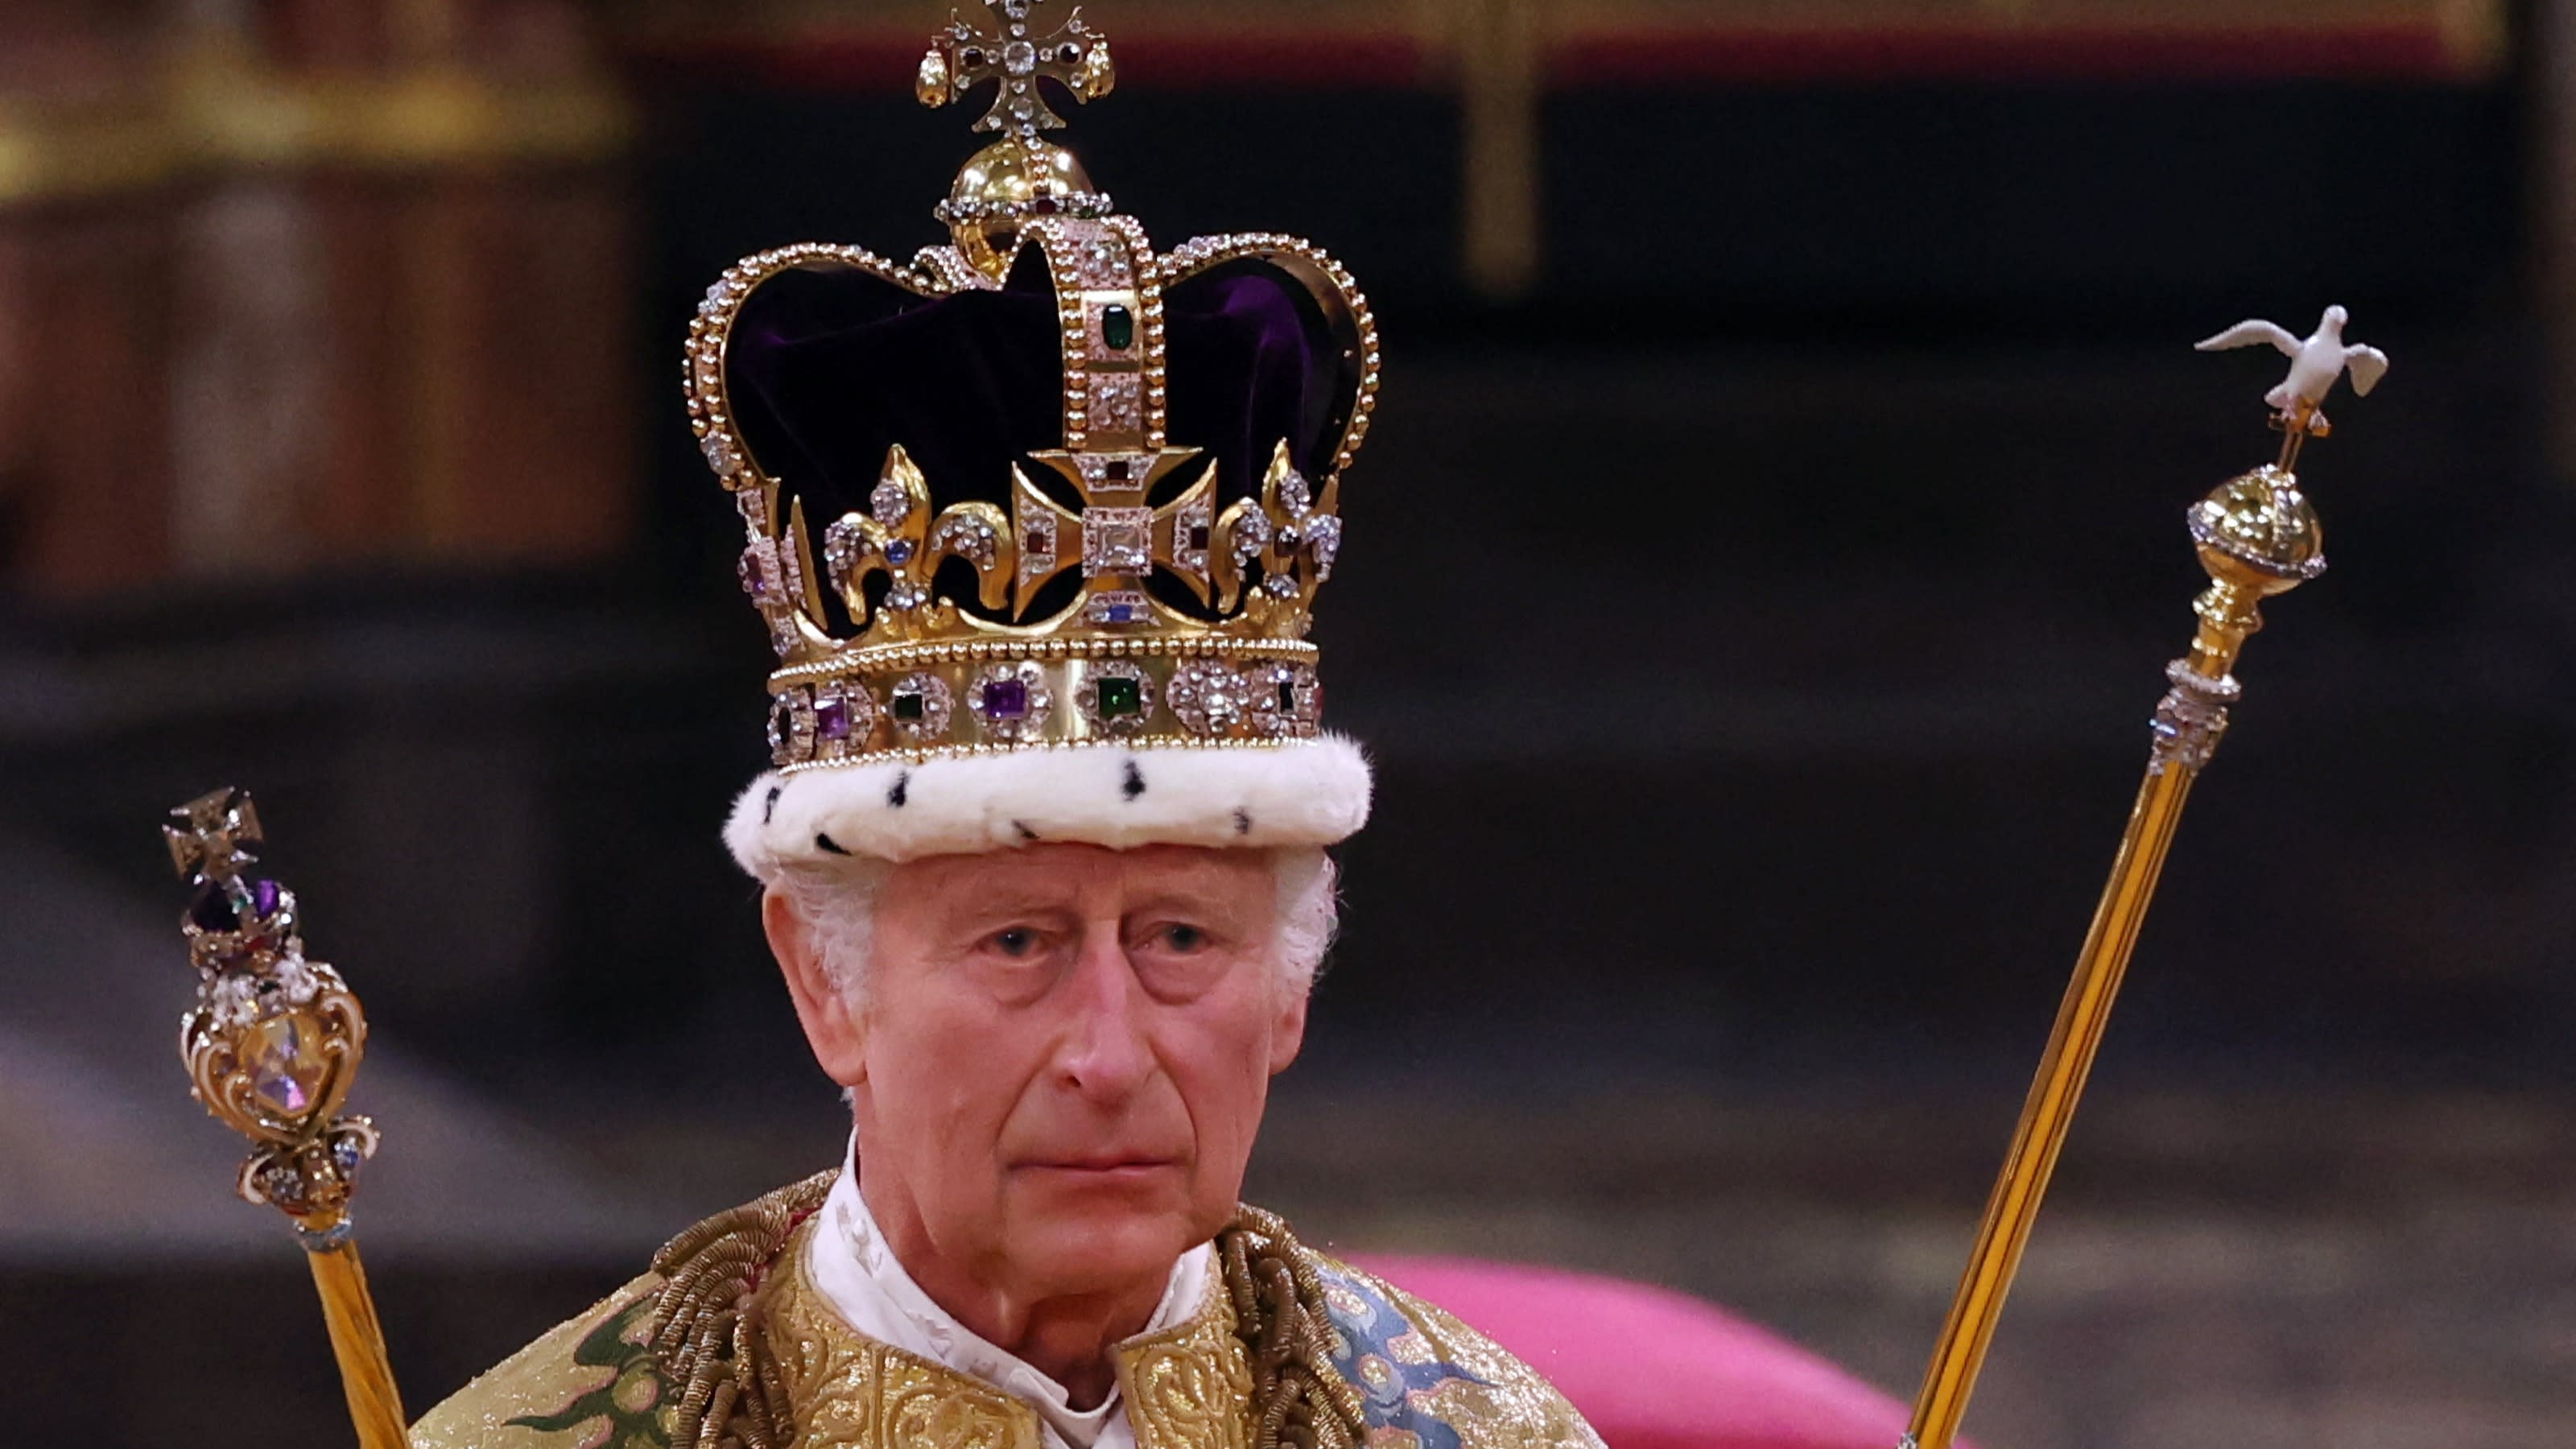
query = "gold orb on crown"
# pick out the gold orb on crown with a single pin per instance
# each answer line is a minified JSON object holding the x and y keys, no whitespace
{"x":1004,"y":186}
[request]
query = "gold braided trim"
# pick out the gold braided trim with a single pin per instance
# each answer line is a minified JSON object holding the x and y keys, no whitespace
{"x":706,"y":1329}
{"x":706,"y":1322}
{"x":1301,"y":1401}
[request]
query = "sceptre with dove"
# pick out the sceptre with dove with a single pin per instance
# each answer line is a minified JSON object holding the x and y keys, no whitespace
{"x":2315,"y":363}
{"x":2257,"y":537}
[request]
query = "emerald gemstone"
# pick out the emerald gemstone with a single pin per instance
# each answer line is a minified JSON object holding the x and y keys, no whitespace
{"x":1117,"y":328}
{"x":1120,"y":697}
{"x":908,"y":705}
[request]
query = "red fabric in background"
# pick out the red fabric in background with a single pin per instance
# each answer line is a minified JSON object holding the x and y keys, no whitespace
{"x":1655,"y":1369}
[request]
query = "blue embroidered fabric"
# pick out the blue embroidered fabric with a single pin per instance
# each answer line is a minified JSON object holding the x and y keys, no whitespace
{"x":1394,"y":1377}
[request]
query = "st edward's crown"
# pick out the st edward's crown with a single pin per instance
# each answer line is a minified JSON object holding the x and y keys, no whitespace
{"x":1126,"y":465}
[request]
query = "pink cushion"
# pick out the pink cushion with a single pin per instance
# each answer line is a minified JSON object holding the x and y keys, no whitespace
{"x":1653,"y":1369}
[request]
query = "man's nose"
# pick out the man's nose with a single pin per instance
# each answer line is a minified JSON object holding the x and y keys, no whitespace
{"x":1106,"y":1056}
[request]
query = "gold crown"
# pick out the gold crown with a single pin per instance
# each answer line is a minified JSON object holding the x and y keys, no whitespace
{"x":1186,"y":623}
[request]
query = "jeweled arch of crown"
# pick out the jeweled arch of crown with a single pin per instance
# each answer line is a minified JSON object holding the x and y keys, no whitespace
{"x":924,"y":675}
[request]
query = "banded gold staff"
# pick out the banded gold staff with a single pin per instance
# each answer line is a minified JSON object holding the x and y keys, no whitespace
{"x":272,"y":1047}
{"x":2257,"y":537}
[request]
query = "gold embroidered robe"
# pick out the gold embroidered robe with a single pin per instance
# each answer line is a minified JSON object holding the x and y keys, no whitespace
{"x":1385,"y":1369}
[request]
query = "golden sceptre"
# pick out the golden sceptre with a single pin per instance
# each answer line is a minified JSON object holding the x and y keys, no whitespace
{"x":2257,"y":537}
{"x":272,"y":1046}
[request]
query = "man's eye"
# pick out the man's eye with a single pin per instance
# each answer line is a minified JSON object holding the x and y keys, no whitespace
{"x":1184,"y":938}
{"x":1017,"y":941}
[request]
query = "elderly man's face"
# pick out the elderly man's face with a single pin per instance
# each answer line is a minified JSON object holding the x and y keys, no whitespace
{"x":1061,"y":1057}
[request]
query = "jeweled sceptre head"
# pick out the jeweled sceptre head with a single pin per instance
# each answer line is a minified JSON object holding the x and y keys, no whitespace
{"x":2257,"y":530}
{"x":2257,"y":535}
{"x":272,"y":1047}
{"x":1036,"y":520}
{"x":275,"y":1038}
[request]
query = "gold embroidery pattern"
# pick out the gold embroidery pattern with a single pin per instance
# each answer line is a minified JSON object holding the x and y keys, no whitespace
{"x":513,"y":1405}
{"x":1190,"y":1387}
{"x":1499,"y":1403}
{"x":1511,"y":1415}
{"x":845,"y":1391}
{"x":1411,"y":1349}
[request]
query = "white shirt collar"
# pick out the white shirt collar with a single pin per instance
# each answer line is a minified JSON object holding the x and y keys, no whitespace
{"x":858,"y":1275}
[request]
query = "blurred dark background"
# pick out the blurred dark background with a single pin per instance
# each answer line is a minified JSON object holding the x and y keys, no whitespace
{"x":1761,"y":573}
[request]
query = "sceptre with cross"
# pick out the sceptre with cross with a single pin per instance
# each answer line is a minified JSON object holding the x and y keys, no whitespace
{"x":272,"y":1046}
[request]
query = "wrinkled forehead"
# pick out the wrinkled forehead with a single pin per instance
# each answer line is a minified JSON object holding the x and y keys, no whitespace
{"x":1088,"y":876}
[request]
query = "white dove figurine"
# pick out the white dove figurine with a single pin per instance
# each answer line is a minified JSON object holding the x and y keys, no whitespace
{"x":2314,"y":365}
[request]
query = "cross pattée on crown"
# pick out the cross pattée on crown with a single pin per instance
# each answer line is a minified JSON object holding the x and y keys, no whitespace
{"x":962,"y":57}
{"x":1116,"y":539}
{"x":219,"y":837}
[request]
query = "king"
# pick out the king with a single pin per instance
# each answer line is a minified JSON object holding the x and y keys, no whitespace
{"x":1035,"y":521}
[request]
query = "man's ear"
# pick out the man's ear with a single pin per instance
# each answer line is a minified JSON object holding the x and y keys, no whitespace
{"x":832,"y":1026}
{"x":1288,"y":1034}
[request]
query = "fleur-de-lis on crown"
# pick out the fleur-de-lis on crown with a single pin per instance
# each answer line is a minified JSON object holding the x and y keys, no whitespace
{"x":899,"y":538}
{"x":1293,"y":533}
{"x":962,"y":57}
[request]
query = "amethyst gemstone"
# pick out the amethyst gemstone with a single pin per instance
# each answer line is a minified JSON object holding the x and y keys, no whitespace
{"x":899,"y":552}
{"x":1006,"y":699}
{"x":832,"y":719}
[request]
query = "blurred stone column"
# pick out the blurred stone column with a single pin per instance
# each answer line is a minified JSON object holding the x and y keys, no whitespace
{"x":1499,"y":44}
{"x":86,"y":162}
{"x":407,"y":288}
{"x":308,"y":285}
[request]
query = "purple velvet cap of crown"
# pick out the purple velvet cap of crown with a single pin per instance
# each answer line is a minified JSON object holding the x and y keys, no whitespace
{"x":828,"y":369}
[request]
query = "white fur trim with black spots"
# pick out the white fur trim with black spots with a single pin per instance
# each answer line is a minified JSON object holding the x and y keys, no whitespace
{"x":1304,"y":792}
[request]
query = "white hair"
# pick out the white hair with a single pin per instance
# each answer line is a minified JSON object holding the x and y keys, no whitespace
{"x":837,"y":902}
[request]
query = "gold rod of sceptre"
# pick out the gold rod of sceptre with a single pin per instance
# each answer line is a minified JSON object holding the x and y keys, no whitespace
{"x":2257,"y":537}
{"x":272,"y":1047}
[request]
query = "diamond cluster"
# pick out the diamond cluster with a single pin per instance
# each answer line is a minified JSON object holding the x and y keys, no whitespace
{"x":275,"y":1036}
{"x":1087,"y":205}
